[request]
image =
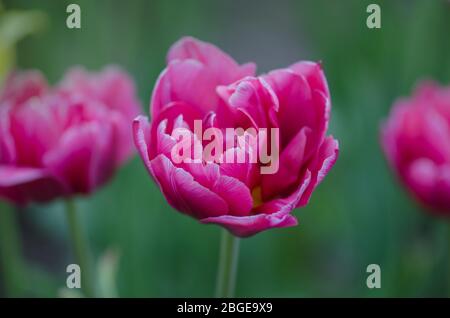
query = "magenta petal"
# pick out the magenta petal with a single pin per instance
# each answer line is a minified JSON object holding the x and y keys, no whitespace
{"x":113,"y":90}
{"x":236,"y":194}
{"x":22,"y":185}
{"x":187,"y":81}
{"x":296,"y":96}
{"x":222,"y":66}
{"x":290,"y":166}
{"x":34,"y":131}
{"x":173,"y":114}
{"x":414,"y":131}
{"x":255,"y":99}
{"x":141,"y":135}
{"x":325,"y":160}
{"x":247,"y":172}
{"x":112,"y":87}
{"x":85,"y":156}
{"x":273,"y":214}
{"x":314,"y":74}
{"x":430,"y":183}
{"x":287,"y":204}
{"x":245,"y":226}
{"x":7,"y":148}
{"x":206,"y":174}
{"x":19,"y":87}
{"x":184,"y":193}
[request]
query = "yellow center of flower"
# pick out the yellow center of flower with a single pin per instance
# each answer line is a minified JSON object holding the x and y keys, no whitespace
{"x":257,"y":196}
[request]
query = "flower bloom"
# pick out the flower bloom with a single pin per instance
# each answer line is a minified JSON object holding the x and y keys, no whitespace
{"x":416,"y":141}
{"x":64,"y":140}
{"x":203,"y":83}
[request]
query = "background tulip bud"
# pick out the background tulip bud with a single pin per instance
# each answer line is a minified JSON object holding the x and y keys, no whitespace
{"x":416,"y":141}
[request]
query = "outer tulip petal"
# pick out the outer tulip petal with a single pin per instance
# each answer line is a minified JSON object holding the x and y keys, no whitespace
{"x":325,"y":160}
{"x":296,"y":96}
{"x":187,"y":81}
{"x":34,"y":131}
{"x":113,"y":87}
{"x":250,"y":225}
{"x":314,"y":74}
{"x":430,"y":183}
{"x":409,"y":135}
{"x":84,"y":157}
{"x":115,"y":90}
{"x":7,"y":149}
{"x":22,"y":86}
{"x":184,"y":193}
{"x":166,"y":120}
{"x":22,"y":185}
{"x":235,"y":193}
{"x":273,"y":214}
{"x":292,"y":161}
{"x":221,"y":65}
{"x":141,"y":135}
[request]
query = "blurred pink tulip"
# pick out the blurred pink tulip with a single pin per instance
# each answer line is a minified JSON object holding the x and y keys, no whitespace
{"x":64,"y":140}
{"x":203,"y":83}
{"x":416,"y":141}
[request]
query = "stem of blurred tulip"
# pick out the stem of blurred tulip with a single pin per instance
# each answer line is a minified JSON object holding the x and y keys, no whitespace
{"x":12,"y":267}
{"x":80,"y":249}
{"x":448,"y":260}
{"x":229,"y":252}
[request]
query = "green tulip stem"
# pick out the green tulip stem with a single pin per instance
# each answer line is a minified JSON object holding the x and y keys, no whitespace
{"x":80,"y":248}
{"x":228,"y":261}
{"x":12,"y":269}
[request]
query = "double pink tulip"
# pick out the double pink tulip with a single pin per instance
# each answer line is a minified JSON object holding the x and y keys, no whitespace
{"x":203,"y":83}
{"x":63,"y":140}
{"x":416,"y":141}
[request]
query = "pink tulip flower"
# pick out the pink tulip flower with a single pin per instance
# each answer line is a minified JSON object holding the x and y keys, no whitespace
{"x":202,"y":83}
{"x":416,"y":141}
{"x":64,"y":140}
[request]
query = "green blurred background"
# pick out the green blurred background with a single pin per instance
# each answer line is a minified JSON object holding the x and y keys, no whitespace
{"x":358,"y":216}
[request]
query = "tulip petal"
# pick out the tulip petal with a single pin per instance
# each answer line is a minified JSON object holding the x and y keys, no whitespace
{"x":245,"y":226}
{"x":247,"y":172}
{"x":183,"y":192}
{"x":273,"y":214}
{"x":430,"y":183}
{"x":19,"y":87}
{"x":34,"y":131}
{"x":324,"y":161}
{"x":7,"y":148}
{"x":141,"y":135}
{"x":112,"y":86}
{"x":236,"y":194}
{"x":221,"y":65}
{"x":314,"y":74}
{"x":296,"y":96}
{"x":85,"y":156}
{"x":22,"y":185}
{"x":291,"y":162}
{"x":187,"y":81}
{"x":255,"y":99}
